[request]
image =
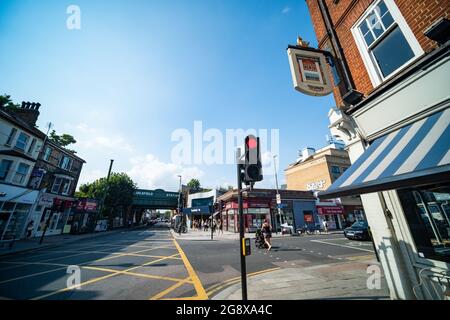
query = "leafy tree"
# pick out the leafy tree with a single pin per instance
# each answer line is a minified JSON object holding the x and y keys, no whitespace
{"x":119,"y":194}
{"x":63,"y":140}
{"x":6,"y":102}
{"x":194,"y":184}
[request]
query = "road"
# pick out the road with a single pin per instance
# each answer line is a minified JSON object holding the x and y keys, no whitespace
{"x":151,"y":264}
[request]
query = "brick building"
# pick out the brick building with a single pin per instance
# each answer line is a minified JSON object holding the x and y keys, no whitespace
{"x":56,"y":174}
{"x":298,"y":209}
{"x":316,"y":170}
{"x":392,"y":110}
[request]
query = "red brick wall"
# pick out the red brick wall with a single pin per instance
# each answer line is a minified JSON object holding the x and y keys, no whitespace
{"x":419,"y":14}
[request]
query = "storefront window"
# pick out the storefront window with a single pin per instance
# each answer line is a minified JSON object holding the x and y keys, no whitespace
{"x":427,"y":211}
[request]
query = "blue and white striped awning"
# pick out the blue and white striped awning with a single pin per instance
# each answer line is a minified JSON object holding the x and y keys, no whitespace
{"x":414,"y":155}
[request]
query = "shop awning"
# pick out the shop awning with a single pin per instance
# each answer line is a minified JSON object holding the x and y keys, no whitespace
{"x":414,"y":155}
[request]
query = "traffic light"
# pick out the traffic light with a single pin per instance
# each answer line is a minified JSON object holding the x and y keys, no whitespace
{"x":252,"y":164}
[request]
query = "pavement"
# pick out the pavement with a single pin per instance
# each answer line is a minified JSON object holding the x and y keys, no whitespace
{"x":343,"y":281}
{"x":326,"y":266}
{"x":197,"y":235}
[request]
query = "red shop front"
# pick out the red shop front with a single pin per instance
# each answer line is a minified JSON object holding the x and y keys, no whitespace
{"x":255,"y":211}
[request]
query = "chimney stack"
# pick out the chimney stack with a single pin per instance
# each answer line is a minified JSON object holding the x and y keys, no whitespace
{"x":28,"y":112}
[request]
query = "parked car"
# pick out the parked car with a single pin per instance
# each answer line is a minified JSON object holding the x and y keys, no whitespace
{"x":358,"y":231}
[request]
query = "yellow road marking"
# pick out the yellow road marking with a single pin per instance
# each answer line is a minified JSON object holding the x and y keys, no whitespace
{"x":234,"y":280}
{"x":201,"y":293}
{"x":136,"y":274}
{"x":169,"y":289}
{"x":100,"y":278}
{"x":64,"y":266}
{"x":183,"y":298}
{"x":364,"y":257}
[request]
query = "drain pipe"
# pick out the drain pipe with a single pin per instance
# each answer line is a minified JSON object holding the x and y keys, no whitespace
{"x":352,"y":96}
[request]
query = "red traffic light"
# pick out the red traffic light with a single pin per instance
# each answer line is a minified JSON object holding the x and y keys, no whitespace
{"x":252,"y":143}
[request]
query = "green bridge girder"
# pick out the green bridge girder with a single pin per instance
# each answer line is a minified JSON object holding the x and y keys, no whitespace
{"x":155,"y":199}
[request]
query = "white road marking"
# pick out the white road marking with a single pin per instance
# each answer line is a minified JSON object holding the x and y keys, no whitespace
{"x":342,"y":245}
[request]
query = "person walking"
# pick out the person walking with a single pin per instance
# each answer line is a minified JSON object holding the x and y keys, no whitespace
{"x":267,"y":233}
{"x":30,"y":228}
{"x":325,"y":225}
{"x":220,"y":227}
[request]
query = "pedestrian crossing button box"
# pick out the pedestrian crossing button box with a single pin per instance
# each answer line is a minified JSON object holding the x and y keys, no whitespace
{"x":246,"y":246}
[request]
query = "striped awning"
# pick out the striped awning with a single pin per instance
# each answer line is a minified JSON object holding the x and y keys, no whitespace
{"x":414,"y":155}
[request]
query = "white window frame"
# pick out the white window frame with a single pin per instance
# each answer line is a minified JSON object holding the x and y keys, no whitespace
{"x":9,"y":169}
{"x":46,"y":156}
{"x":59,"y":185}
{"x":32,"y":146}
{"x":26,"y":143}
{"x":69,"y":163}
{"x":11,"y":136}
{"x":375,"y":74}
{"x":24,"y":176}
{"x":66,"y":186}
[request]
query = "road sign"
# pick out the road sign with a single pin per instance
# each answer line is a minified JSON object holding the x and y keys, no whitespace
{"x":278,"y":198}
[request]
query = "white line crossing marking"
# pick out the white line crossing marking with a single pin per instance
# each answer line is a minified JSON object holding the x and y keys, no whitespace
{"x":342,"y":245}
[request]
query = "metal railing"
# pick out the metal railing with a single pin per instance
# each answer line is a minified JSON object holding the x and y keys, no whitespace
{"x":435,"y":285}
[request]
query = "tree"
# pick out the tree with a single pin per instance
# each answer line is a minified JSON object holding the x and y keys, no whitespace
{"x":6,"y":102}
{"x":194,"y":184}
{"x":63,"y":140}
{"x":119,"y":194}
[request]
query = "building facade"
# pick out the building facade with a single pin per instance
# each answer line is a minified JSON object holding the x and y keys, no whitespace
{"x":392,"y":99}
{"x":56,"y":175}
{"x":20,"y":144}
{"x":297,"y":209}
{"x":35,"y":173}
{"x":316,"y":170}
{"x":200,"y":206}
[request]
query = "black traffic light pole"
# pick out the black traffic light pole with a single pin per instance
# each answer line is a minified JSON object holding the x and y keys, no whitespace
{"x":47,"y":222}
{"x":241,"y":225}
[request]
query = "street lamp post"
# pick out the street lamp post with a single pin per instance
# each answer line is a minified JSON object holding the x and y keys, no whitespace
{"x":180,"y":206}
{"x":278,"y":193}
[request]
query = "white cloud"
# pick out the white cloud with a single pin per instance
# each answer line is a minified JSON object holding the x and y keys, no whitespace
{"x":149,"y":173}
{"x":285,"y":10}
{"x":92,"y":138}
{"x":90,"y":176}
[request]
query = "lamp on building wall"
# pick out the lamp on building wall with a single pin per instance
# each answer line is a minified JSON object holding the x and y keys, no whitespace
{"x":439,"y":31}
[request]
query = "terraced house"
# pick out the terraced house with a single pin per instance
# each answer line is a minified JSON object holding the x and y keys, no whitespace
{"x":35,"y":172}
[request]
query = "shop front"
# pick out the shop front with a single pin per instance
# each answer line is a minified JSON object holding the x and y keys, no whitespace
{"x":200,"y":214}
{"x":54,"y":210}
{"x":332,"y":214}
{"x":16,"y":203}
{"x":255,"y":212}
{"x":83,"y":217}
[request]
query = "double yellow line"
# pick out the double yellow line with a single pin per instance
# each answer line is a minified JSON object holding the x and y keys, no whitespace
{"x":222,"y":285}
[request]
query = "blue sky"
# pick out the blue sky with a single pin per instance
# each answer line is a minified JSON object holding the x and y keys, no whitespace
{"x":138,"y":70}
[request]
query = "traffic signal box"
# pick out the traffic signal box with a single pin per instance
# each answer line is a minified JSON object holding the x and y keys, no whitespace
{"x":252,"y":164}
{"x":246,"y":246}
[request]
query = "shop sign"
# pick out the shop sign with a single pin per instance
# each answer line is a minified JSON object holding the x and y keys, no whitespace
{"x":317,"y":185}
{"x":36,"y":178}
{"x":87,"y":205}
{"x":309,"y":70}
{"x":46,"y":201}
{"x":330,"y":210}
{"x":308,"y":218}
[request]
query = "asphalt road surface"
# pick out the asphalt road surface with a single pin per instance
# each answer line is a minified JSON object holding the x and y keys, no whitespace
{"x":151,"y":264}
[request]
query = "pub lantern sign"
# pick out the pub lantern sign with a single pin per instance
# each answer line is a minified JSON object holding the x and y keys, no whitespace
{"x":309,"y":69}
